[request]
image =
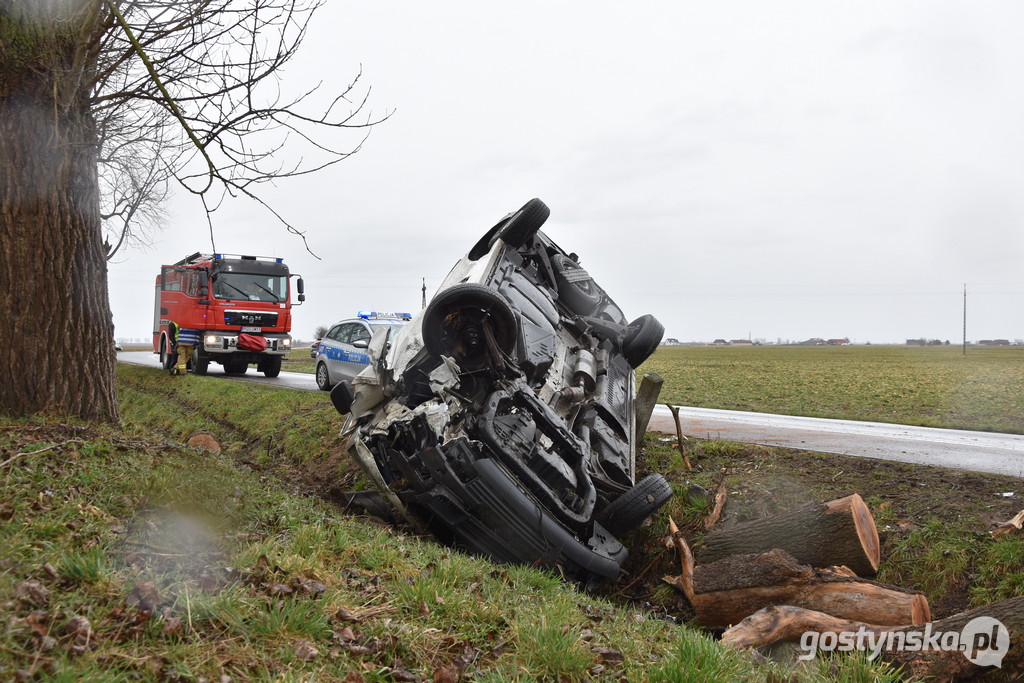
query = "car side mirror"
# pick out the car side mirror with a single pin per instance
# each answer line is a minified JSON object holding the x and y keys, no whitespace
{"x":360,"y":344}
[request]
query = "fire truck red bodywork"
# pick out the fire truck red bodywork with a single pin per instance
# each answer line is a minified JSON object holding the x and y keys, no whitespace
{"x":223,"y":296}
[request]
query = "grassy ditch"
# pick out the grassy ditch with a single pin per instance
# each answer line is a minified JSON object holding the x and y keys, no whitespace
{"x":128,"y":555}
{"x":929,"y":386}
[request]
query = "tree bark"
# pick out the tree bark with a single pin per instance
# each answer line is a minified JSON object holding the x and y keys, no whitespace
{"x":55,"y":319}
{"x":839,"y":532}
{"x":784,"y":622}
{"x":727,"y":591}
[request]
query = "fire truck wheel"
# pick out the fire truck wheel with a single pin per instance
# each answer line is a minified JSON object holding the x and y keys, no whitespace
{"x":200,"y":363}
{"x":235,"y":367}
{"x":271,"y":367}
{"x":323,"y":380}
{"x":166,"y":355}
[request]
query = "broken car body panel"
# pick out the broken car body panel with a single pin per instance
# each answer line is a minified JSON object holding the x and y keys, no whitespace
{"x":501,"y":419}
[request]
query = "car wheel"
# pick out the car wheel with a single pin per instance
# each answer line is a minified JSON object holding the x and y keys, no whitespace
{"x":626,"y":512}
{"x":272,"y":367}
{"x":576,"y":289}
{"x":323,"y":379}
{"x":642,"y":339}
{"x":456,"y":320}
{"x":199,"y":363}
{"x":524,"y":224}
{"x":515,"y":229}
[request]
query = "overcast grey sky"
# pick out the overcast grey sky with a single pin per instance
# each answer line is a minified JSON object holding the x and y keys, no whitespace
{"x":772,"y":169}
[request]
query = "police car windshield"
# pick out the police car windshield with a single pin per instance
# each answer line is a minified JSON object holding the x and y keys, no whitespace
{"x":251,"y":287}
{"x":393,"y":324}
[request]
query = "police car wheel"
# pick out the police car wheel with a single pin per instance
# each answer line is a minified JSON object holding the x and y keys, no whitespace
{"x":323,"y":380}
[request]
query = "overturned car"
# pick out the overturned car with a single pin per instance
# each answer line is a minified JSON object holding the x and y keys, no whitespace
{"x":501,"y":419}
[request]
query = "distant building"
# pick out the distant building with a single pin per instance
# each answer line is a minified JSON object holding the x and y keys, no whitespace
{"x":994,"y":342}
{"x":742,"y":342}
{"x":671,"y":341}
{"x":838,"y":342}
{"x":720,"y":342}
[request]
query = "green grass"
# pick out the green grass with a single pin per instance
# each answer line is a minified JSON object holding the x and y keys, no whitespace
{"x":126,"y":555}
{"x":298,"y":360}
{"x":928,"y":386}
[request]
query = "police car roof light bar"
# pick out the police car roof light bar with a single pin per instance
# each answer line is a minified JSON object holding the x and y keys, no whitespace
{"x":377,"y":315}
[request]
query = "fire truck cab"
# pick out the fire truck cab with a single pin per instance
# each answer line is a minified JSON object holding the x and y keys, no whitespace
{"x":225,"y":297}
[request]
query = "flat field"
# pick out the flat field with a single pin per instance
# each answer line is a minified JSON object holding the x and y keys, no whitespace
{"x":937,"y":386}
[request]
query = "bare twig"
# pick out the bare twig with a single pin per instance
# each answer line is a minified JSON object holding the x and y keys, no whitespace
{"x":18,"y":455}
{"x":679,"y":434}
{"x":716,"y":513}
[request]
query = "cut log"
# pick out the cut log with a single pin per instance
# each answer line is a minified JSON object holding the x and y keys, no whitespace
{"x":723,"y":593}
{"x":839,"y":532}
{"x":1012,"y":526}
{"x":784,"y":622}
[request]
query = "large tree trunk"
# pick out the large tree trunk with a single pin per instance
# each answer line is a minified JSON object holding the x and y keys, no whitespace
{"x":839,"y":532}
{"x":55,"y":320}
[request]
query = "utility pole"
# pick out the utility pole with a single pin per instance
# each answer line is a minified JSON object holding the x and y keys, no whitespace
{"x":965,"y":319}
{"x":424,"y":292}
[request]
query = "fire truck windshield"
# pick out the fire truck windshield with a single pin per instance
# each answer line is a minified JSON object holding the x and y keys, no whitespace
{"x":250,"y":287}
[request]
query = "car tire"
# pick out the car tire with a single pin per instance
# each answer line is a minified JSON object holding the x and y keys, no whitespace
{"x":642,"y":339}
{"x":474,"y":301}
{"x":272,"y":367}
{"x":515,"y":229}
{"x":626,"y":512}
{"x":524,"y":224}
{"x":576,"y":289}
{"x":323,"y":378}
{"x":199,"y":363}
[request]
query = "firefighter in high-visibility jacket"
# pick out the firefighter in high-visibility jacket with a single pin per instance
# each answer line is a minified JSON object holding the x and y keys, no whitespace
{"x":186,"y":342}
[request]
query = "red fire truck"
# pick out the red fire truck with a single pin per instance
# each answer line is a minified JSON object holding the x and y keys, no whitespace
{"x":225,"y":297}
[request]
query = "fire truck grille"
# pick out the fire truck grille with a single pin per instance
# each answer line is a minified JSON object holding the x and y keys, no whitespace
{"x":259,"y":318}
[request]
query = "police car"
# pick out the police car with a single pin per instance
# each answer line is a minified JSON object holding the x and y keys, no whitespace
{"x":342,"y":353}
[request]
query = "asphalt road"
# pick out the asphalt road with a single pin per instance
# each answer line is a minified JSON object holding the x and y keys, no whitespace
{"x":959,"y":449}
{"x":302,"y":381}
